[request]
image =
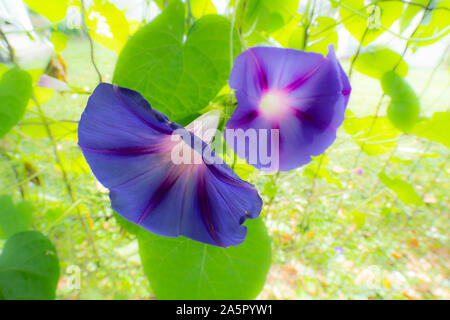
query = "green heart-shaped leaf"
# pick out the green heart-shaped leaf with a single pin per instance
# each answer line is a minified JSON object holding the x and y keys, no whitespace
{"x":178,"y":77}
{"x":180,"y":268}
{"x":365,"y":30}
{"x":15,"y":91}
{"x":29,"y":267}
{"x":14,"y":219}
{"x":53,"y":10}
{"x":404,"y":191}
{"x":375,"y":135}
{"x":404,"y":108}
{"x":434,"y":129}
{"x":378,"y":60}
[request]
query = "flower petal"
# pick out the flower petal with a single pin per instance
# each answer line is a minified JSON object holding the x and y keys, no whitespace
{"x":205,"y":126}
{"x":129,"y":148}
{"x":48,"y":82}
{"x":261,"y":68}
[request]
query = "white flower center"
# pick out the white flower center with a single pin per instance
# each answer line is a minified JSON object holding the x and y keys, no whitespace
{"x":273,"y":103}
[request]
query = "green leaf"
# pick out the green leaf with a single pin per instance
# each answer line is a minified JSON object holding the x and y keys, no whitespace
{"x":404,"y":191}
{"x":29,"y":267}
{"x":435,"y":129}
{"x":318,"y":169}
{"x":160,"y":4}
{"x":3,"y":69}
{"x":15,"y":91}
{"x":410,"y":12}
{"x":108,"y":25}
{"x":381,"y":139}
{"x":53,"y":10}
{"x":270,"y":187}
{"x":358,"y":218}
{"x":13,"y":218}
{"x":376,"y":61}
{"x":354,"y":13}
{"x":200,"y":8}
{"x":322,"y":33}
{"x":60,"y":130}
{"x":435,"y":21}
{"x":59,"y":40}
{"x":178,"y":78}
{"x":291,"y":35}
{"x":404,"y":109}
{"x":128,"y":226}
{"x":264,"y":16}
{"x":54,"y":215}
{"x":243,"y":170}
{"x":399,"y":160}
{"x":180,"y":268}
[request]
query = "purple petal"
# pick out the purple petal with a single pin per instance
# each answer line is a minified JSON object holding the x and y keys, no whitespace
{"x":128,"y":146}
{"x":262,"y":68}
{"x":302,"y":94}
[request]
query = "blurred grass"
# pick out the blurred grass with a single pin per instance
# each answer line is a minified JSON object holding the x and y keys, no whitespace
{"x":320,"y":250}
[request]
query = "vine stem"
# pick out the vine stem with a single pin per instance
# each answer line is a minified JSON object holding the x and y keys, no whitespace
{"x":443,"y":57}
{"x":91,"y":43}
{"x":427,"y":147}
{"x":379,"y":105}
{"x":358,"y":156}
{"x":42,"y":124}
{"x":11,"y":51}
{"x":363,"y":37}
{"x":412,"y":3}
{"x":386,"y":164}
{"x":354,"y":12}
{"x":272,"y":198}
{"x":190,"y":16}
{"x":436,"y":36}
{"x":306,"y":21}
{"x":65,"y":176}
{"x":433,"y":181}
{"x":16,"y":174}
{"x":429,"y":143}
{"x":66,"y":180}
{"x":12,"y":57}
{"x":313,"y":184}
{"x":233,"y":22}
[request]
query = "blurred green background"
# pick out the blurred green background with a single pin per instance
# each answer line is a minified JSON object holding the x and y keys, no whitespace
{"x":339,"y":229}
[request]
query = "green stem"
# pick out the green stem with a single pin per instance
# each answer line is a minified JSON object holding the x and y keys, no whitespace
{"x":91,"y":43}
{"x":350,"y":70}
{"x":386,"y":164}
{"x":55,"y":150}
{"x":233,"y":22}
{"x":436,"y":36}
{"x":16,"y":174}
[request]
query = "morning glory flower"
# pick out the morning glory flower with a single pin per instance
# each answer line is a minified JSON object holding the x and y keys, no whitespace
{"x":299,"y":96}
{"x":132,"y":150}
{"x":338,"y":249}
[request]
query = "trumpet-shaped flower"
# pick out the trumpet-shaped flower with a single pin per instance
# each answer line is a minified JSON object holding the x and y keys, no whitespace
{"x":140,"y":156}
{"x":301,"y":95}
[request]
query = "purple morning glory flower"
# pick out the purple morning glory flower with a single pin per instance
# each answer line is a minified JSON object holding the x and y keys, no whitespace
{"x":300,"y":96}
{"x":338,"y":249}
{"x":130,"y":146}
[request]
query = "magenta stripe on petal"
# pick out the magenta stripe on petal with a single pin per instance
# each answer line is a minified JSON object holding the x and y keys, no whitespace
{"x":172,"y":176}
{"x":262,"y":77}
